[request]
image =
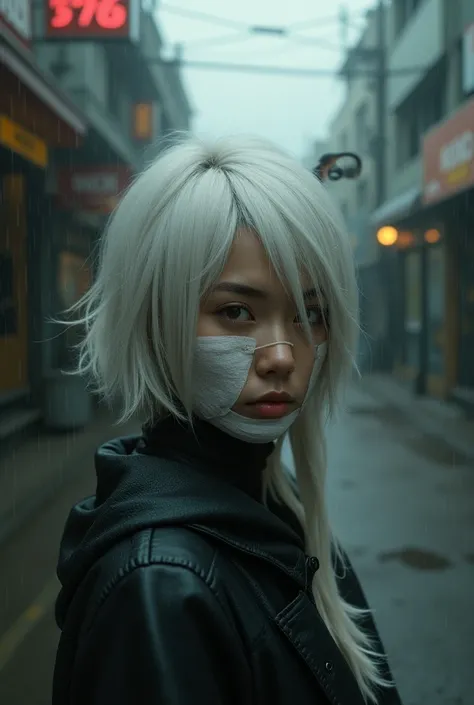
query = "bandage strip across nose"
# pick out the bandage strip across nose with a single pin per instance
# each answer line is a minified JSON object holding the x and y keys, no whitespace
{"x":278,"y":342}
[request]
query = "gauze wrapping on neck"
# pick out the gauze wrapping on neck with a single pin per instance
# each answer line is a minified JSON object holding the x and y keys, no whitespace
{"x":221,"y":368}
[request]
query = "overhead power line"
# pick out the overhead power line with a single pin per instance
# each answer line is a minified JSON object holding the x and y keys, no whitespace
{"x":235,"y":24}
{"x":203,"y":17}
{"x":316,"y":42}
{"x":321,"y":21}
{"x":252,"y":30}
{"x":288,"y":70}
{"x":221,"y":40}
{"x":228,"y":39}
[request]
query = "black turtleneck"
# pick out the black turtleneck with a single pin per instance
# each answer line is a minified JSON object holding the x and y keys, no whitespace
{"x":215,"y":451}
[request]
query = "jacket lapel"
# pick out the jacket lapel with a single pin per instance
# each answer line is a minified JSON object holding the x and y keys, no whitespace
{"x":301,"y":624}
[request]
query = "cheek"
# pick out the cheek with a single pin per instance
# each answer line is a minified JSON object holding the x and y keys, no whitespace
{"x":205,"y":325}
{"x":304,"y":368}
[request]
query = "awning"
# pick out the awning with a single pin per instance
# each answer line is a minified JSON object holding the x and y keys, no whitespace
{"x":21,"y":62}
{"x":397,"y":208}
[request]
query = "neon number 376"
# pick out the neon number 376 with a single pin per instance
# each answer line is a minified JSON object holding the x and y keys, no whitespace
{"x":108,"y":14}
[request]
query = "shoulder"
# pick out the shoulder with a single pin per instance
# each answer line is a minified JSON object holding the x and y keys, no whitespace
{"x":155,"y":627}
{"x":177,"y":562}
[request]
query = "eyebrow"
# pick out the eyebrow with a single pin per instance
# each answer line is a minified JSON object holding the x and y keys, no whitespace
{"x":253,"y":292}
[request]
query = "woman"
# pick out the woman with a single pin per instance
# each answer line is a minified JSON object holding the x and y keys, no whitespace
{"x":225,"y":314}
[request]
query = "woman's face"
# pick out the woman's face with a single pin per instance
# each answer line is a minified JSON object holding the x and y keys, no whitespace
{"x":249,"y":300}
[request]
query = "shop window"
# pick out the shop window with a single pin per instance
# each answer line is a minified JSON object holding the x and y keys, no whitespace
{"x":8,"y":320}
{"x":74,"y":279}
{"x":422,"y":109}
{"x":436,"y":309}
{"x":413,"y":306}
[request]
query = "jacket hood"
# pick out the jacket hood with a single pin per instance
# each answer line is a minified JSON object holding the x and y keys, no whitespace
{"x":136,"y":490}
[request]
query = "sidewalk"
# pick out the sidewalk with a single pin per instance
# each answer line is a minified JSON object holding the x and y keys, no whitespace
{"x":35,"y":470}
{"x":441,"y":420}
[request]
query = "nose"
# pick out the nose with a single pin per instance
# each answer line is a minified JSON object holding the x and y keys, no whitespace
{"x":278,"y":360}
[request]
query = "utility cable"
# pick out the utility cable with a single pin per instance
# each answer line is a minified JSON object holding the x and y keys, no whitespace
{"x":203,"y":17}
{"x":289,"y":70}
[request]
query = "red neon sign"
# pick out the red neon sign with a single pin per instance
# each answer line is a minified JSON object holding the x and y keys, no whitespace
{"x":88,"y":18}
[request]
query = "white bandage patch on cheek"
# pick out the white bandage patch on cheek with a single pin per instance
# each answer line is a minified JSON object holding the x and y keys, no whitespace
{"x":221,"y":369}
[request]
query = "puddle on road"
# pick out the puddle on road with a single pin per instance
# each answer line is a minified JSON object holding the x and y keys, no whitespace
{"x":416,"y":558}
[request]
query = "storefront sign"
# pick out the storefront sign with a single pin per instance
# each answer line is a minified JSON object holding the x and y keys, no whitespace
{"x":143,"y":122}
{"x":95,"y":189}
{"x":468,"y":60}
{"x":16,"y":14}
{"x":22,"y":142}
{"x":448,"y":156}
{"x":89,"y":19}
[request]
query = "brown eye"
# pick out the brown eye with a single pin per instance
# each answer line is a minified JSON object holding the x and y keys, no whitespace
{"x":236,"y":314}
{"x":314,"y":316}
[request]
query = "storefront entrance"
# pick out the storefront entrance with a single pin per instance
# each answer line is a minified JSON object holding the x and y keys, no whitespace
{"x":13,"y":286}
{"x":466,"y":312}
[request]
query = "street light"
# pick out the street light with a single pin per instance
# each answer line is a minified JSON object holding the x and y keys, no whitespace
{"x":432,"y":236}
{"x":387,"y":235}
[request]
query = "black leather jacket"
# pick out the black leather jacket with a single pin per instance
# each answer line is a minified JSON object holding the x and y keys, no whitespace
{"x":179,"y":587}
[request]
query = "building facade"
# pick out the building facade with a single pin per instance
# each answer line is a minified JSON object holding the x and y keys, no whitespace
{"x":429,"y":161}
{"x":418,"y":237}
{"x":68,"y":156}
{"x":36,"y":119}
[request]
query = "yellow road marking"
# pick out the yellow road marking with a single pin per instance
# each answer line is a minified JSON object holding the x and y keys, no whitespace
{"x":26,"y":622}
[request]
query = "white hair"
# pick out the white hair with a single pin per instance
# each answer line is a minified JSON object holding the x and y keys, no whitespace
{"x":165,"y":245}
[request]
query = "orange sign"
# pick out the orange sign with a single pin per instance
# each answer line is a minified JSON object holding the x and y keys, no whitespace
{"x":448,"y":156}
{"x":143,"y":127}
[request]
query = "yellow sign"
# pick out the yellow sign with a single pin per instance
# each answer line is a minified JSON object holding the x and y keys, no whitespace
{"x":23,"y":142}
{"x":143,"y":122}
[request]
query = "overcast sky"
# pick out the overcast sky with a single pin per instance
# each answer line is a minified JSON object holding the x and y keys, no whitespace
{"x":291,"y":110}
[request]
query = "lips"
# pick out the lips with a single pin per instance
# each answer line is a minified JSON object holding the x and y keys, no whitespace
{"x":271,"y":410}
{"x":273,"y":405}
{"x":275,"y":398}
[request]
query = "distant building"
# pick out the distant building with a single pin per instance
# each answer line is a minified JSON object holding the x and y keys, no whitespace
{"x":353,"y":129}
{"x":82,"y":105}
{"x":417,"y":298}
{"x":430,"y":196}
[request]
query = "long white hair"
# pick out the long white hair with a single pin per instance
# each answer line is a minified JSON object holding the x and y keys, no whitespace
{"x":165,"y":245}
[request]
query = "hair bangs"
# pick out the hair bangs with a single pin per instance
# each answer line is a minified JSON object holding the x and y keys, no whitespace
{"x":196,"y":232}
{"x":306,"y":242}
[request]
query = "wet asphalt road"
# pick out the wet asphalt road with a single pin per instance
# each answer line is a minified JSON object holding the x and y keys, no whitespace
{"x":403,"y":505}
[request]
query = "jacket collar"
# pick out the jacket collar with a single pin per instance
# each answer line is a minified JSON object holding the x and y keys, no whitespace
{"x":137,"y":491}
